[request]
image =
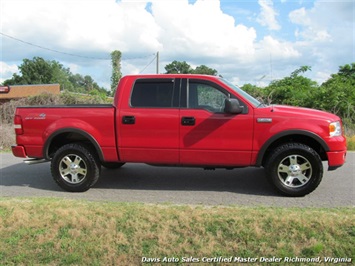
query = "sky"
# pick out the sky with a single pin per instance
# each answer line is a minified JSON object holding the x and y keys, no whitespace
{"x":245,"y":41}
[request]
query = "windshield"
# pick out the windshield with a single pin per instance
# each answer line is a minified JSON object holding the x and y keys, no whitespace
{"x":245,"y":95}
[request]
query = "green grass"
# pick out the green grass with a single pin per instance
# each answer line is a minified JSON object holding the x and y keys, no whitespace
{"x":350,"y":143}
{"x":71,"y":232}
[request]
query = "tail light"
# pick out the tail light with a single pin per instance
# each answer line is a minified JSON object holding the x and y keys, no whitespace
{"x":18,"y":125}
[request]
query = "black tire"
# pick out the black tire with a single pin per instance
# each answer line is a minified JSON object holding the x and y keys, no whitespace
{"x":294,"y":169}
{"x":75,"y":167}
{"x":110,"y":165}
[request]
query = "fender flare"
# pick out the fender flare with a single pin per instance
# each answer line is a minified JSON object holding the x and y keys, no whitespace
{"x":86,"y":135}
{"x":280,"y":135}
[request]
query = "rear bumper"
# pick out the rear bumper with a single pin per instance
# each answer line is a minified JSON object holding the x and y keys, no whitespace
{"x":336,"y":159}
{"x":19,"y":151}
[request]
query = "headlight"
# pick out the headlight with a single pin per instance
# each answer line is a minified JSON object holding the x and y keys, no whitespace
{"x":335,"y":129}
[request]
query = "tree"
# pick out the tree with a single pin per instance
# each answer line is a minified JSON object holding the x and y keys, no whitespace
{"x":337,"y":94}
{"x":255,"y":91}
{"x":89,"y":83}
{"x":300,"y":70}
{"x":40,"y":71}
{"x":15,"y":80}
{"x":35,"y":71}
{"x":177,"y":67}
{"x":61,"y":75}
{"x":205,"y":70}
{"x":78,"y":82}
{"x":347,"y":71}
{"x":116,"y":70}
{"x":293,"y":90}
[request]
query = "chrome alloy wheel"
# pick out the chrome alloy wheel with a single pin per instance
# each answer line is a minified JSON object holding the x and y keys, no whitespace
{"x":72,"y":168}
{"x":294,"y":171}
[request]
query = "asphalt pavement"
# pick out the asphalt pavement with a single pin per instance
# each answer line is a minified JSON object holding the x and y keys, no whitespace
{"x":148,"y":184}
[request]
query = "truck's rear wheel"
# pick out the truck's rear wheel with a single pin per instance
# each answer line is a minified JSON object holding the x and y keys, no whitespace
{"x":75,"y":167}
{"x":294,"y":169}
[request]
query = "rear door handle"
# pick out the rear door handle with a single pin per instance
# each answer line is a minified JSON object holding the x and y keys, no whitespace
{"x":128,"y":120}
{"x":188,"y":121}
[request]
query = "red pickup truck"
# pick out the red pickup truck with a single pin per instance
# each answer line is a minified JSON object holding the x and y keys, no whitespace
{"x":181,"y":120}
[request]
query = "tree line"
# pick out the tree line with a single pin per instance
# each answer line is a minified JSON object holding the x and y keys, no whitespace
{"x":41,"y":71}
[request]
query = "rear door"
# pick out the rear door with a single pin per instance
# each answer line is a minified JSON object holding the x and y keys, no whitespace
{"x":208,"y":135}
{"x":149,"y":122}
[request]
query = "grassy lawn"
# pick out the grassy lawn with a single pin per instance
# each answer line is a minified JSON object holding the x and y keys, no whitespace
{"x":52,"y":231}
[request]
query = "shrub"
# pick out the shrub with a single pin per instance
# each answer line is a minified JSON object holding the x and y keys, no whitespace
{"x":350,"y":141}
{"x":7,"y":136}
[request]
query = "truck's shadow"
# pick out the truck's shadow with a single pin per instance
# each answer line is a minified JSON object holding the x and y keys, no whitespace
{"x":35,"y":176}
{"x":143,"y":177}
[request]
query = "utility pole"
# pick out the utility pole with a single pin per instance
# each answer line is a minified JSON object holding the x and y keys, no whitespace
{"x":157,"y":67}
{"x":271,"y":66}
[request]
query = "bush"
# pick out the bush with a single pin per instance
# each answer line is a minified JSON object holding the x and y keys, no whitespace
{"x":7,"y":136}
{"x":7,"y":110}
{"x":44,"y":99}
{"x":350,"y":141}
{"x":78,"y":98}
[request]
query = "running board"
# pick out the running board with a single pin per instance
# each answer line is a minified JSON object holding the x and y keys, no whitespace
{"x":34,"y":161}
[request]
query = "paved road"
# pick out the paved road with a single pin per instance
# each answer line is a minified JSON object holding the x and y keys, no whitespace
{"x":143,"y":183}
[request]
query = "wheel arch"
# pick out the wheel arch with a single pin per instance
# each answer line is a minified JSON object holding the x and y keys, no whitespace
{"x":69,"y":135}
{"x":305,"y":137}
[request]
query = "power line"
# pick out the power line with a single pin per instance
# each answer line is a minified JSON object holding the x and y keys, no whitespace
{"x":138,"y":57}
{"x":148,"y":64}
{"x":52,"y":50}
{"x":70,"y":54}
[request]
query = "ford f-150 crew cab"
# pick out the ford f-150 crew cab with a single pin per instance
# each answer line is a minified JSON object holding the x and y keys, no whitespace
{"x":181,"y":120}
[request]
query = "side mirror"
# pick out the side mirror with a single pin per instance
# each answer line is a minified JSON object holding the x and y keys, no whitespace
{"x":231,"y":106}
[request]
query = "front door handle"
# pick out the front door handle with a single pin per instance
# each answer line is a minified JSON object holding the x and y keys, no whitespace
{"x":128,"y":120}
{"x":188,"y":121}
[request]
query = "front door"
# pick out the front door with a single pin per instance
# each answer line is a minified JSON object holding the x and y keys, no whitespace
{"x":208,"y":136}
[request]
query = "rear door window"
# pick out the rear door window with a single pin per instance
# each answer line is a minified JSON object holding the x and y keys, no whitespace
{"x":154,"y":93}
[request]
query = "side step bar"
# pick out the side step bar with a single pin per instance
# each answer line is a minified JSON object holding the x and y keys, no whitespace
{"x":34,"y":161}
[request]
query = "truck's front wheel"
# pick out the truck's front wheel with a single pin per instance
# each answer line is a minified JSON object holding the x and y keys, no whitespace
{"x":75,"y":168}
{"x":294,"y":169}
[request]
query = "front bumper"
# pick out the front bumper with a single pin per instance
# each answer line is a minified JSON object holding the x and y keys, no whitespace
{"x":336,"y":159}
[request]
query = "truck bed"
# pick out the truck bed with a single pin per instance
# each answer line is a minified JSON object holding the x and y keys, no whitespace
{"x":43,"y":124}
